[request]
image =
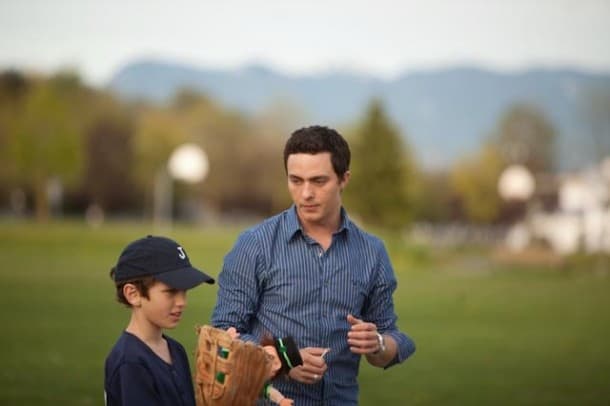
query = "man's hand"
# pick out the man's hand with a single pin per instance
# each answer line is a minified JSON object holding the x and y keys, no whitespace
{"x":314,"y":365}
{"x":362,"y":337}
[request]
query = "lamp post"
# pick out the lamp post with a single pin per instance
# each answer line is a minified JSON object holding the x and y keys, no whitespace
{"x":187,"y":163}
{"x":517,"y":184}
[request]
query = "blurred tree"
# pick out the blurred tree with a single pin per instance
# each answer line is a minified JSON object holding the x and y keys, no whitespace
{"x":272,"y":127}
{"x":188,"y":99}
{"x":525,"y":136}
{"x":157,"y":133}
{"x":13,"y":89}
{"x":245,"y":157}
{"x":381,"y":168}
{"x":595,"y":110}
{"x":433,"y":197}
{"x":475,"y":182}
{"x":13,"y":86}
{"x":108,"y":178}
{"x":46,"y":143}
{"x":219,"y":134}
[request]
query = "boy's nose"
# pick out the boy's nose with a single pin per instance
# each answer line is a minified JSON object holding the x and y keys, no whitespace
{"x":181,"y":298}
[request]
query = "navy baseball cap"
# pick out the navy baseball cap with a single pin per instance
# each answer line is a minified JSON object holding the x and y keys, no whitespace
{"x":162,"y":258}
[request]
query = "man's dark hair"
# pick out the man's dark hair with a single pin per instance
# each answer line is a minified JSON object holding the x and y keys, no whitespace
{"x":316,"y":139}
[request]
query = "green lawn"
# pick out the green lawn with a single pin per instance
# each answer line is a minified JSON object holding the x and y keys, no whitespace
{"x":486,"y":334}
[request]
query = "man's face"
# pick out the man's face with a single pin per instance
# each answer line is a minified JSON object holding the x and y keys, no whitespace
{"x":315,"y":188}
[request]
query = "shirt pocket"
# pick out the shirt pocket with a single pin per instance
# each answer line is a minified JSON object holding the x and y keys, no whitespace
{"x":358,"y":296}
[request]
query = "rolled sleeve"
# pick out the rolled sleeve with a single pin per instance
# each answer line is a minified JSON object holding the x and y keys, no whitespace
{"x":406,"y":347}
{"x":381,"y":310}
{"x":237,"y":301}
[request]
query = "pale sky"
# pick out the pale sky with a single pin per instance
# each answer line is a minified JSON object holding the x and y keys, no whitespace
{"x":380,"y":37}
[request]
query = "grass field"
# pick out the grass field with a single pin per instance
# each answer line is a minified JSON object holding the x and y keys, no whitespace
{"x":486,"y":334}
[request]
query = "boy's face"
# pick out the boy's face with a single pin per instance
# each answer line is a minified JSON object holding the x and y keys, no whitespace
{"x":164,"y":305}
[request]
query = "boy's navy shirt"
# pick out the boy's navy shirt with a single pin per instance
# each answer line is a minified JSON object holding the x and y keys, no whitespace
{"x":135,"y":375}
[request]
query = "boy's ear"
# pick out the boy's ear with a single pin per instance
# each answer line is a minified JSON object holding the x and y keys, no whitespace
{"x":132,"y":294}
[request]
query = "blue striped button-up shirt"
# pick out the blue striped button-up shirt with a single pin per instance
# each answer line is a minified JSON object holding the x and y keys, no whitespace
{"x":277,"y":280}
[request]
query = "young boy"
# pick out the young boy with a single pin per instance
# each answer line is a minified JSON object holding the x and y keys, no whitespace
{"x":146,"y":367}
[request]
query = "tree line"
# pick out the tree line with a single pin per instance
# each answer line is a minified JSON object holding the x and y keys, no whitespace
{"x":104,"y":151}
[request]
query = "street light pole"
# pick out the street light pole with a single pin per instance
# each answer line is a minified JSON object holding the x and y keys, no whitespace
{"x":187,"y":163}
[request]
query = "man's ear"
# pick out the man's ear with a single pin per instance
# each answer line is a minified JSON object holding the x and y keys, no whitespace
{"x":345,"y":180}
{"x":132,"y":294}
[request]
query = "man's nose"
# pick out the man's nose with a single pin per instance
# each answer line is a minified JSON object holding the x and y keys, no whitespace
{"x":307,"y":192}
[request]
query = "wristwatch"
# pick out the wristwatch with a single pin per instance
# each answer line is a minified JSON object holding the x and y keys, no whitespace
{"x":381,"y":341}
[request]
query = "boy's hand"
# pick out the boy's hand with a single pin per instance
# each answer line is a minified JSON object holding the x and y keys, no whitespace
{"x":276,"y":364}
{"x":232,"y":331}
{"x":286,"y":402}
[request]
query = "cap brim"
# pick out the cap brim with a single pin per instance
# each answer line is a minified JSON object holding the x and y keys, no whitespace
{"x":184,"y":278}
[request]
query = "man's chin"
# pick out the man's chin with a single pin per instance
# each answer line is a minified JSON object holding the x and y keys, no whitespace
{"x":310,"y":215}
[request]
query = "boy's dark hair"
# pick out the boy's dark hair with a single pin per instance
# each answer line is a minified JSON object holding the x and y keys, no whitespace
{"x":316,"y":139}
{"x":141,"y":284}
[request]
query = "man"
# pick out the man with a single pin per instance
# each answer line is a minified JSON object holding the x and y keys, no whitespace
{"x":312,"y":274}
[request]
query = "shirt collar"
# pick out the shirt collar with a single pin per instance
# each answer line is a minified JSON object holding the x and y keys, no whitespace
{"x":293,"y":226}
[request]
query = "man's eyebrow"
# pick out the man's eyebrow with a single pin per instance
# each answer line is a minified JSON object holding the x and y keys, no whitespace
{"x":312,"y":178}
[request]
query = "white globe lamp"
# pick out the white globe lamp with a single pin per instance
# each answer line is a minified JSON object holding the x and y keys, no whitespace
{"x":516,"y":183}
{"x":188,"y":163}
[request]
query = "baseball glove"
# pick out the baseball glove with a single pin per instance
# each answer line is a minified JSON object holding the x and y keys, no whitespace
{"x":228,"y":372}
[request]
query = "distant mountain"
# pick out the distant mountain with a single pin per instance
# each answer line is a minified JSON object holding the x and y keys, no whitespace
{"x":444,"y":114}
